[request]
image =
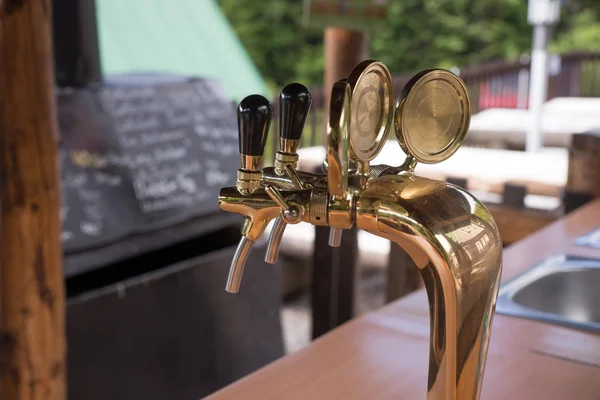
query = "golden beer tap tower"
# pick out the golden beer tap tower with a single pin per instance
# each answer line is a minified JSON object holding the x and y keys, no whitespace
{"x":448,"y":233}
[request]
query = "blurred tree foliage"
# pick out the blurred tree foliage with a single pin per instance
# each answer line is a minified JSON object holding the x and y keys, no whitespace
{"x":272,"y":33}
{"x":418,"y":34}
{"x":581,"y":30}
{"x":444,"y":33}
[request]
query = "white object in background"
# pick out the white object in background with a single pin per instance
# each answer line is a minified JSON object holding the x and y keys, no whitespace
{"x":541,"y":14}
{"x":561,"y":118}
{"x":522,"y":88}
{"x":538,"y":86}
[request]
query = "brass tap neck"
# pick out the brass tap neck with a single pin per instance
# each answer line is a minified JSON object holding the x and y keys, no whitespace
{"x":449,"y":235}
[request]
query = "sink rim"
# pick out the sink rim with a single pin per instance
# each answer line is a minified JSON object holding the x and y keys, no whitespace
{"x":561,"y":262}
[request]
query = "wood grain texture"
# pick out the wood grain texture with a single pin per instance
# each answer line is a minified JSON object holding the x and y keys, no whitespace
{"x":32,"y":339}
{"x":383,"y":354}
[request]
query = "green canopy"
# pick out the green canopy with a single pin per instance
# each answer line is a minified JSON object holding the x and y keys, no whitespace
{"x":190,"y":37}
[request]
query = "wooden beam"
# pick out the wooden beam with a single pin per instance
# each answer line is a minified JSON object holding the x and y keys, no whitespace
{"x":32,"y":317}
{"x":335,"y":275}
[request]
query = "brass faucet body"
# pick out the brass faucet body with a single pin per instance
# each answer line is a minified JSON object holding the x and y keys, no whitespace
{"x":450,"y":235}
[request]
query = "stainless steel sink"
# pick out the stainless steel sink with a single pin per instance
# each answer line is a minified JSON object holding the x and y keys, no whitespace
{"x":562,"y":290}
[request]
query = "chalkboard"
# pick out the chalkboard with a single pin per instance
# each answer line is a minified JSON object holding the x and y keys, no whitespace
{"x":137,"y":157}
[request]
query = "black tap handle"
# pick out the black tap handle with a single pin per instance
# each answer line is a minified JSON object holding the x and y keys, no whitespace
{"x":294,"y":103}
{"x":254,"y":119}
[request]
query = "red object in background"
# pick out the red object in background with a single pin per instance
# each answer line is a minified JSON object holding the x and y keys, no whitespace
{"x":494,"y":95}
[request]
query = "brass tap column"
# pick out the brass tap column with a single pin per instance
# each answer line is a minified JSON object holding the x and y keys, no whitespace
{"x":447,"y":232}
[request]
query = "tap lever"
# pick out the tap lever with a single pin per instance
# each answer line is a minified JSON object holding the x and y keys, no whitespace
{"x":280,"y":224}
{"x":275,"y":241}
{"x":293,"y":175}
{"x":294,"y":104}
{"x":237,"y":265}
{"x":254,"y":119}
{"x":290,"y":213}
{"x":277,"y":198}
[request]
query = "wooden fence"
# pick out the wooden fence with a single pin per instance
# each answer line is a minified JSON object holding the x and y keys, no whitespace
{"x":491,"y":85}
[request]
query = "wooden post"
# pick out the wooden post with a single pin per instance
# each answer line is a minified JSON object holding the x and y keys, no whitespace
{"x":334,"y":269}
{"x":344,"y":49}
{"x":32,"y":319}
{"x":583,"y":184}
{"x":76,"y":53}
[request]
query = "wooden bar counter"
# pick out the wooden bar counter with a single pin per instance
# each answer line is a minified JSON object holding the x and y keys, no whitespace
{"x":384,"y":354}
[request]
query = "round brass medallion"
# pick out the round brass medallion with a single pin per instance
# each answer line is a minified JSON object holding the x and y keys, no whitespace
{"x":371,"y":109}
{"x":432,"y":116}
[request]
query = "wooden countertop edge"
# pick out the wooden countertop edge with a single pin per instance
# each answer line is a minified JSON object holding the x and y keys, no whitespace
{"x":551,"y":357}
